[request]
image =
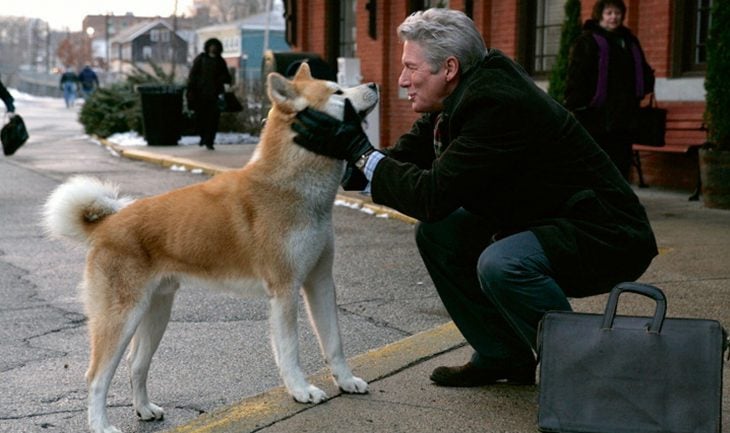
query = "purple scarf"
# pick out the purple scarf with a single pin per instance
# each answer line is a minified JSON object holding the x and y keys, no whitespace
{"x":602,"y":85}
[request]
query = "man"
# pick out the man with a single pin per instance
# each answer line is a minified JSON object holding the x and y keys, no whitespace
{"x":89,"y":81}
{"x":519,"y":207}
{"x":206,"y":84}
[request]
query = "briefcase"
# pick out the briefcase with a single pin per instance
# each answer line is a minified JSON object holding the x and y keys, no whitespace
{"x":13,"y":135}
{"x":621,"y":374}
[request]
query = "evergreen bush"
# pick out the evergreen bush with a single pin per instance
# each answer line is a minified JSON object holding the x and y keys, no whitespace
{"x":717,"y":112}
{"x":569,"y":32}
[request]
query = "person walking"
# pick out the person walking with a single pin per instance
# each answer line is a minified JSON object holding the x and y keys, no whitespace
{"x":89,"y":81}
{"x":519,"y":208}
{"x":206,"y":85}
{"x":7,"y":98}
{"x":69,"y":84}
{"x":608,"y":76}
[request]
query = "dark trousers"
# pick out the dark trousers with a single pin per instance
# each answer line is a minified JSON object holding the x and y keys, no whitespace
{"x":208,"y":116}
{"x":495,"y":292}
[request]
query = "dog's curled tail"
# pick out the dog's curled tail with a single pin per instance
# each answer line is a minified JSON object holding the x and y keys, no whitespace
{"x":74,"y":208}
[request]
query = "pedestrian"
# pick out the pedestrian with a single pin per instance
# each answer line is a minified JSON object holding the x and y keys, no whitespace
{"x":519,"y":208}
{"x":608,"y":76}
{"x":7,"y":98}
{"x":69,"y":84}
{"x":206,"y":85}
{"x":89,"y":81}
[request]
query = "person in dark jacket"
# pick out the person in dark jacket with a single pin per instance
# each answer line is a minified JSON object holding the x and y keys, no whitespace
{"x":206,"y":84}
{"x":519,"y":208}
{"x":608,"y":76}
{"x":89,"y":81}
{"x":69,"y":84}
{"x":7,"y":98}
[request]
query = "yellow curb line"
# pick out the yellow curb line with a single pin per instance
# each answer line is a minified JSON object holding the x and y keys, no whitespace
{"x":212,"y":170}
{"x":275,"y":404}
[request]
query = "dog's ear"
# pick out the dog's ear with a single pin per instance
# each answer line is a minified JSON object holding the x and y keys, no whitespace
{"x":281,"y":91}
{"x":303,"y":73}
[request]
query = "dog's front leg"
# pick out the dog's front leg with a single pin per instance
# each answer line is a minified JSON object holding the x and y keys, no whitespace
{"x":319,"y":295}
{"x":285,"y":342}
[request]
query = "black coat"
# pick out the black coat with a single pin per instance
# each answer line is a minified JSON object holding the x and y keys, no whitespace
{"x":619,"y":111}
{"x":206,"y":80}
{"x":515,"y":156}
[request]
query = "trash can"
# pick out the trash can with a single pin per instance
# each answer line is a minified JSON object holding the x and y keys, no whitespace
{"x":161,"y":113}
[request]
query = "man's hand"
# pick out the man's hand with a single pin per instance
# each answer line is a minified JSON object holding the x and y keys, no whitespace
{"x":325,"y":135}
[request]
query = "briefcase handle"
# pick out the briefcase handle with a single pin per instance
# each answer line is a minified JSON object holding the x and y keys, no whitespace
{"x":641,"y":289}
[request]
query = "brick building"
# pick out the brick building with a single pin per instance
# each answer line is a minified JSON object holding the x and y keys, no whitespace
{"x":672,"y":34}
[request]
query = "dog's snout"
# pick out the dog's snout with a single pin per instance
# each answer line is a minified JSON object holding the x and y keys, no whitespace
{"x":373,"y":86}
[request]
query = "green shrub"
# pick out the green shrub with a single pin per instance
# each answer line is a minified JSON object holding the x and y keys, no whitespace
{"x":717,"y":112}
{"x":112,"y":109}
{"x":569,"y":32}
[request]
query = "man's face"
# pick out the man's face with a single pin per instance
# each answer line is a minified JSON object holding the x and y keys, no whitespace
{"x":426,"y":90}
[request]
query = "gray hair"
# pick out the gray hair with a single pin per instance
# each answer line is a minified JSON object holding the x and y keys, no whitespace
{"x":442,"y":33}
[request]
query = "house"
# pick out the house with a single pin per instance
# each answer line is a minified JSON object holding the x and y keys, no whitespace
{"x":246,"y":40}
{"x":672,"y":34}
{"x":148,"y":42}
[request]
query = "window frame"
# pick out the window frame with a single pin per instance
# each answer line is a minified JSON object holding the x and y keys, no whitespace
{"x":532,"y":30}
{"x":686,"y":39}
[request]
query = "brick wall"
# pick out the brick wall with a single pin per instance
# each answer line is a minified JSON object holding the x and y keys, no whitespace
{"x":499,"y":21}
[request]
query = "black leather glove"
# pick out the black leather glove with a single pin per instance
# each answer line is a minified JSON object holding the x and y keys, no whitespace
{"x":325,"y":135}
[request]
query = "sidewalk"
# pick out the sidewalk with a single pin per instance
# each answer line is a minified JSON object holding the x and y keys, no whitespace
{"x":693,"y":269}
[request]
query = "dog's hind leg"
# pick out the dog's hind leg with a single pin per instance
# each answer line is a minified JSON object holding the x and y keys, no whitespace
{"x":320,"y":298}
{"x":285,"y":342}
{"x":145,"y":343}
{"x":110,"y":328}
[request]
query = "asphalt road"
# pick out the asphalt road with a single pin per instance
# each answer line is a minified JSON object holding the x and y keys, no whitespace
{"x":216,"y":350}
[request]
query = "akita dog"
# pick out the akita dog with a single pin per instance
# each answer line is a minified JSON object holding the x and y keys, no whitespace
{"x":266,"y":228}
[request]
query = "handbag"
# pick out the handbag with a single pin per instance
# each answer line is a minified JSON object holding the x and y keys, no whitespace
{"x":621,"y":374}
{"x":13,"y":135}
{"x":652,"y":124}
{"x":228,"y":103}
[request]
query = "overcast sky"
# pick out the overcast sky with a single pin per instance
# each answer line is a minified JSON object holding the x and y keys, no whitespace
{"x":64,"y":14}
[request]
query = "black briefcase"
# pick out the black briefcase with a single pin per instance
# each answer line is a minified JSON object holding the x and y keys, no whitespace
{"x":626,"y":374}
{"x":13,"y":135}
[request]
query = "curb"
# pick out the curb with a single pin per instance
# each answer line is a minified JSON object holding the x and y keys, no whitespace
{"x":267,"y":408}
{"x":212,"y":170}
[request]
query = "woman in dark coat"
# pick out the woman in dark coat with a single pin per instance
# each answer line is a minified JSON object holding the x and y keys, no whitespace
{"x":519,"y":207}
{"x":608,"y":76}
{"x":206,"y":85}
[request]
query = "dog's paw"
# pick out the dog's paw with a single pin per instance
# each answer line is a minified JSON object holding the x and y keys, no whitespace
{"x":353,"y":385}
{"x":150,"y":412}
{"x":310,"y":394}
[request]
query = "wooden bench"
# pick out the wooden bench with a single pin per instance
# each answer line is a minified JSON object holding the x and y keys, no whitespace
{"x":685,"y":134}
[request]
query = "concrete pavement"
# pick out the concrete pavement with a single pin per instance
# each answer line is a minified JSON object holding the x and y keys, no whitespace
{"x":692,"y":269}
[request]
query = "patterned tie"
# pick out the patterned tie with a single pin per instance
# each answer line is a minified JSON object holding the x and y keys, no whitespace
{"x":437,"y":131}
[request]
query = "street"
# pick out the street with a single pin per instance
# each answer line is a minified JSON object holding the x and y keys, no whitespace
{"x":216,"y":350}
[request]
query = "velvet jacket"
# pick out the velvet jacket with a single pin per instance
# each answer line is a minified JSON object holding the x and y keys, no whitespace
{"x":516,"y":157}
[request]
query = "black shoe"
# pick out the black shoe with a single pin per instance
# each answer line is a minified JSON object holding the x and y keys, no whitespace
{"x":210,"y":147}
{"x":469,"y":375}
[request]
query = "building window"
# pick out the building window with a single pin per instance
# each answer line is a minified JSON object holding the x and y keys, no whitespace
{"x":420,"y":5}
{"x":549,"y":15}
{"x":165,"y":35}
{"x":154,"y":35}
{"x":692,"y":25}
{"x":147,"y":52}
{"x":348,"y":29}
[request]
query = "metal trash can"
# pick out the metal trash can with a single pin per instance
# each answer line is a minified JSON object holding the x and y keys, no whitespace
{"x":162,"y":116}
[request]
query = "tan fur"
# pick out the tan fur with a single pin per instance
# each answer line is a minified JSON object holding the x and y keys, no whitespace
{"x":269,"y":222}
